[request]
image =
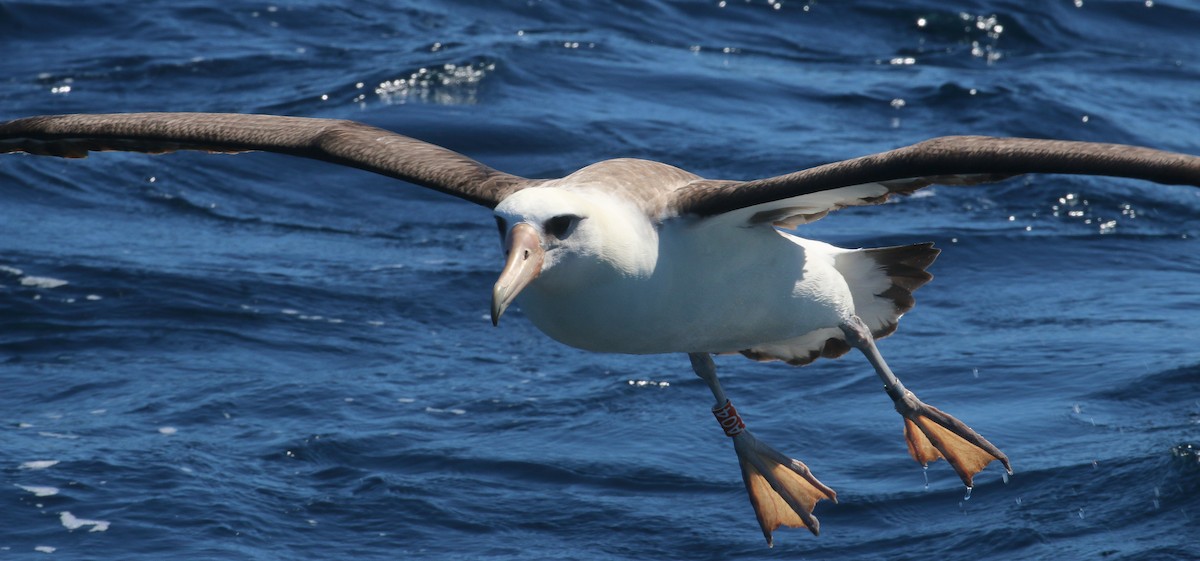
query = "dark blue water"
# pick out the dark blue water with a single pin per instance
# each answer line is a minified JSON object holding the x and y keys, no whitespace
{"x":254,"y":357}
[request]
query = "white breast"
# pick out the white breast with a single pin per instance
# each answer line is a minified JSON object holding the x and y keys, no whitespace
{"x":712,"y":289}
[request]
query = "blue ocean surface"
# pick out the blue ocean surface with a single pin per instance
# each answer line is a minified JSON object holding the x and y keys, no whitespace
{"x":264,"y":358}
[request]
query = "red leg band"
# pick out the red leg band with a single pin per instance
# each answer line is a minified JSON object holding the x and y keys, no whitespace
{"x":729,"y":419}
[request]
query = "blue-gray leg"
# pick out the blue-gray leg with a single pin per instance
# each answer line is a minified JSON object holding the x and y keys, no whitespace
{"x":929,"y":432}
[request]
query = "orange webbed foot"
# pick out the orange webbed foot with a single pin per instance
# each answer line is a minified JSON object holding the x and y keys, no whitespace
{"x":783,"y":491}
{"x":931,"y":434}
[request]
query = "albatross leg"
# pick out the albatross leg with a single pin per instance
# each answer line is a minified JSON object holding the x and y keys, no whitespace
{"x":782,"y":490}
{"x":929,"y":432}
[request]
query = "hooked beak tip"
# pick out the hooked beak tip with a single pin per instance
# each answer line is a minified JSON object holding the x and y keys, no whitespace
{"x":497,"y":311}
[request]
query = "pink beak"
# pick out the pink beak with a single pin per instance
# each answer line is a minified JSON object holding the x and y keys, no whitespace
{"x":524,"y":250}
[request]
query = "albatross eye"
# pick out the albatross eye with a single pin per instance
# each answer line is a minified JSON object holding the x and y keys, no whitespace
{"x":560,"y":225}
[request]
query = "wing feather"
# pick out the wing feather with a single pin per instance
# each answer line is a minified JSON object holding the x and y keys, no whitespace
{"x":947,"y":160}
{"x":341,"y":142}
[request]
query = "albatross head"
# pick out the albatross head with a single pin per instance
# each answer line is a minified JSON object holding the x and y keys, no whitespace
{"x":566,"y":238}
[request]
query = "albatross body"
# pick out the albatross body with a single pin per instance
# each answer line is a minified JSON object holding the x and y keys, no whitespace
{"x":633,"y":256}
{"x":660,"y":284}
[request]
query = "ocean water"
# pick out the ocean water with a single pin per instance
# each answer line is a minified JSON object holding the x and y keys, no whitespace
{"x":257,"y":357}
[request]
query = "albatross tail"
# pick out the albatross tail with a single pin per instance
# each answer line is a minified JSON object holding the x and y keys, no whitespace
{"x":900,"y":270}
{"x":881,"y":282}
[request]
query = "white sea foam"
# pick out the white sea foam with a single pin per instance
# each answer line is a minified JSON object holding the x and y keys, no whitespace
{"x":451,"y":411}
{"x":39,"y":464}
{"x":448,"y":84}
{"x":45,"y":548}
{"x":72,"y":522}
{"x":40,"y":490}
{"x":49,"y":434}
{"x":42,"y":282}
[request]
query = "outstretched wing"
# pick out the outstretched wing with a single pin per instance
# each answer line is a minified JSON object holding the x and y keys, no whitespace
{"x":341,"y":142}
{"x":804,"y":196}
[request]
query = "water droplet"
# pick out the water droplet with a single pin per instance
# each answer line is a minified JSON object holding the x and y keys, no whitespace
{"x":967,"y":497}
{"x":925,"y":471}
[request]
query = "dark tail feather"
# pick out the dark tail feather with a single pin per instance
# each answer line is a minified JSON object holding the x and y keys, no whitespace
{"x":905,"y":266}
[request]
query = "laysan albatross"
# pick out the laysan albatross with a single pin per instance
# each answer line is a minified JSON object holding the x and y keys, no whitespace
{"x":636,"y":256}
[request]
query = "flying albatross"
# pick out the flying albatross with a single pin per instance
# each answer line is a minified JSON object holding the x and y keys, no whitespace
{"x":636,"y":256}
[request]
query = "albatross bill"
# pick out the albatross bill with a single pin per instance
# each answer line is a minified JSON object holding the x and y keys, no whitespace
{"x":524,"y":250}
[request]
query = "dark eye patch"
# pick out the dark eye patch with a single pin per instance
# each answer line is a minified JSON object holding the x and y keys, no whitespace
{"x":560,"y":225}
